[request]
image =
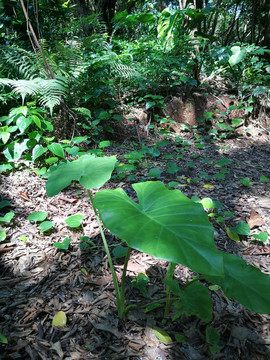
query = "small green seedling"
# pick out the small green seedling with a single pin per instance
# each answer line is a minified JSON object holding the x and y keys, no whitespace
{"x":245,"y":182}
{"x":74,"y":221}
{"x":213,"y":338}
{"x":63,"y":245}
{"x":263,"y":236}
{"x":37,"y":216}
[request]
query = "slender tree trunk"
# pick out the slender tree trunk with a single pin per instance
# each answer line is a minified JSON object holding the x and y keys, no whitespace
{"x":35,"y":43}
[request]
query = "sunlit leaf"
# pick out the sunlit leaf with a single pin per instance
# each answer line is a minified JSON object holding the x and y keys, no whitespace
{"x":232,"y":236}
{"x":74,"y":220}
{"x":90,"y":171}
{"x":60,"y":319}
{"x":46,"y":225}
{"x":37,"y":216}
{"x":164,"y":223}
{"x":162,"y":335}
{"x":63,"y":245}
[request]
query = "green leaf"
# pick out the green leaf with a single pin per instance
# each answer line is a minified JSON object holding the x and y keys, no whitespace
{"x":162,"y":335}
{"x":199,"y":305}
{"x":120,"y":251}
{"x":4,"y":203}
{"x":261,"y":236}
{"x":154,"y":172}
{"x":90,"y":171}
{"x":140,"y":283}
{"x":57,"y":149}
{"x":264,"y":178}
{"x":74,"y":220}
{"x":207,"y":203}
{"x":51,"y":160}
{"x":23,"y":123}
{"x":180,"y":338}
{"x":245,"y":182}
{"x":8,"y":217}
{"x":79,"y":139}
{"x":3,"y":339}
{"x":36,"y":120}
{"x":38,"y":151}
{"x":242,"y":228}
{"x":63,"y":245}
{"x":244,"y":283}
{"x":37,"y":216}
{"x":104,"y":144}
{"x":232,"y":235}
{"x":23,"y":238}
{"x":60,"y":319}
{"x":237,"y":56}
{"x":3,"y":235}
{"x":46,"y":225}
{"x":165,"y":224}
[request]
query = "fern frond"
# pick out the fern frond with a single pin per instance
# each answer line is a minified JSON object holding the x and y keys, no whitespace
{"x":49,"y":92}
{"x":17,"y":62}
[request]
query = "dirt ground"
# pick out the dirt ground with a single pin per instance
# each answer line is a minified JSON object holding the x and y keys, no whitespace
{"x":38,"y":280}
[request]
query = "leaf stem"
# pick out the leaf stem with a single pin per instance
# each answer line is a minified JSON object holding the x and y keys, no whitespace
{"x":119,"y":300}
{"x":169,"y":276}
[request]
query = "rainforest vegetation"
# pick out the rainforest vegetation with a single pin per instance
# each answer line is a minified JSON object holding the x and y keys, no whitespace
{"x":134,"y":191}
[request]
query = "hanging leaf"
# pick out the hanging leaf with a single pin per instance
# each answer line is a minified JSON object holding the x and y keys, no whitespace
{"x":90,"y":171}
{"x":38,"y":151}
{"x":165,"y":224}
{"x":244,"y":283}
{"x":60,"y":319}
{"x":57,"y":149}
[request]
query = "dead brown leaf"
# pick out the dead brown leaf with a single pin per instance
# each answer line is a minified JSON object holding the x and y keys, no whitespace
{"x":255,"y":220}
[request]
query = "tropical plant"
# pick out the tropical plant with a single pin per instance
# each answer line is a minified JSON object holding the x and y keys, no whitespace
{"x":166,"y":224}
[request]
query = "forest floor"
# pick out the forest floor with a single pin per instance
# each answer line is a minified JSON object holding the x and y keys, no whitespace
{"x":37,"y":280}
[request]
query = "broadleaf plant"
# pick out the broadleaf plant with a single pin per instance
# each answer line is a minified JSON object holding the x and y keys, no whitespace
{"x":167,"y":225}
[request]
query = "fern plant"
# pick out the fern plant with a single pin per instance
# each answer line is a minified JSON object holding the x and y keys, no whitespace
{"x":48,"y":92}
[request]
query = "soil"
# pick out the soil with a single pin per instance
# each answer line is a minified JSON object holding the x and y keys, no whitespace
{"x":38,"y":280}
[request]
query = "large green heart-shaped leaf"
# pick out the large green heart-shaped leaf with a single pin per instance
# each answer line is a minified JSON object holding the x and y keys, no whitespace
{"x":244,"y":283}
{"x":164,"y":223}
{"x":238,"y":54}
{"x":90,"y":171}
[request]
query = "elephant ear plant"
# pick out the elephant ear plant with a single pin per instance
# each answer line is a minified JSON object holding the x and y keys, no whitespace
{"x":168,"y":225}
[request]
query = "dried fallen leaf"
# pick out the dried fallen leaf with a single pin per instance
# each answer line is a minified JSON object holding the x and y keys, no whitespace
{"x":255,"y":220}
{"x":24,"y":196}
{"x":208,"y":186}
